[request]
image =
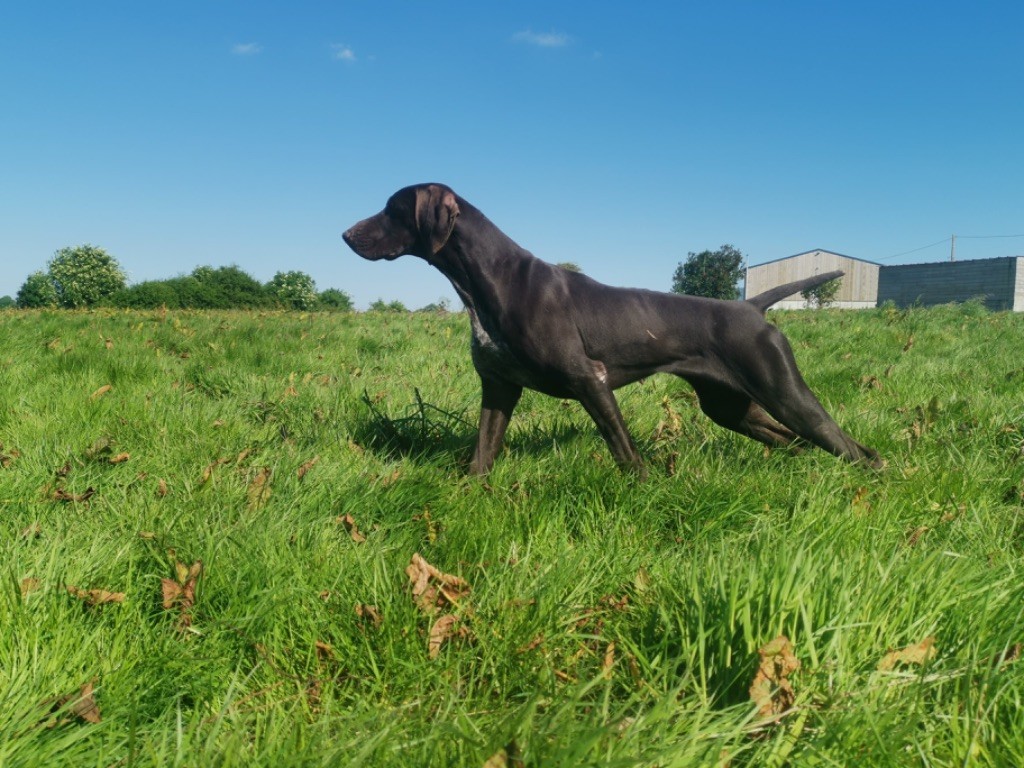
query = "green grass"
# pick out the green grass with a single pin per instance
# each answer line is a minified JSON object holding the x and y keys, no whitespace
{"x":610,"y":621}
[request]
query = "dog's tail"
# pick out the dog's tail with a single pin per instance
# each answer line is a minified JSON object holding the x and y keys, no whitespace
{"x":764,"y":300}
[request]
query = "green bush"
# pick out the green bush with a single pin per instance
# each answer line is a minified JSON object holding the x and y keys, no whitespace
{"x":293,"y":290}
{"x":84,"y":276}
{"x":228,"y":288}
{"x":37,"y":291}
{"x":336,"y":300}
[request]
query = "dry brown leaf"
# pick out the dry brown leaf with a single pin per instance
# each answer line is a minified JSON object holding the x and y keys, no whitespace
{"x":909,"y":344}
{"x":915,"y":535}
{"x":324,"y":651}
{"x":915,"y":653}
{"x":307,"y":466}
{"x":369,"y":613}
{"x":6,"y":459}
{"x":349,"y":523}
{"x":62,"y":495}
{"x":609,"y":661}
{"x":771,"y":690}
{"x":208,"y":472}
{"x":108,"y":343}
{"x":161,"y":488}
{"x":180,"y":592}
{"x":100,"y":392}
{"x":443,"y":629}
{"x":119,"y":458}
{"x":96,"y":596}
{"x":29,"y":585}
{"x":82,"y":705}
{"x":259,"y":489}
{"x":532,"y":645}
{"x":432,"y":589}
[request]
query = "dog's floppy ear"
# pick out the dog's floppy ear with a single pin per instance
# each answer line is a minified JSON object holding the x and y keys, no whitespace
{"x":436,"y":211}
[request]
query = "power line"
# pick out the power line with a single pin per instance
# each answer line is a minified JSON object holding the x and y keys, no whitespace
{"x":948,"y":240}
{"x":915,"y":250}
{"x":986,"y":237}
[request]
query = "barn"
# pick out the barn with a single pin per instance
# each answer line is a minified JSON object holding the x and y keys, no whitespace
{"x":858,"y":290}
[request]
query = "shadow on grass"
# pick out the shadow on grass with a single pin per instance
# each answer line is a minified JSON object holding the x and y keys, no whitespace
{"x":430,"y":433}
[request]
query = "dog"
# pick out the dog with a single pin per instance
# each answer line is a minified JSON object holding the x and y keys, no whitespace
{"x":559,"y":332}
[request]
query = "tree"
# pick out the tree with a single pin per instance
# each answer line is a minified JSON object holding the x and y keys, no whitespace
{"x":6,"y":302}
{"x":84,"y":275}
{"x":228,"y":288}
{"x":710,"y":273}
{"x":294,"y":290}
{"x":441,"y":305}
{"x":570,"y":266}
{"x":822,"y":295}
{"x":37,"y":291}
{"x":336,"y":300}
{"x":380,"y":306}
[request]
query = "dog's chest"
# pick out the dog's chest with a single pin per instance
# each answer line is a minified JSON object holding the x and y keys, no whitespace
{"x":491,"y":356}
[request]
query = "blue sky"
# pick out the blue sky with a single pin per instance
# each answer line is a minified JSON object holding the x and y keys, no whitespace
{"x":617,"y":136}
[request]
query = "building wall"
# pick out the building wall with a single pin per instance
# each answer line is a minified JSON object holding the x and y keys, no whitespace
{"x":858,"y":289}
{"x":1018,"y":292}
{"x":996,"y":281}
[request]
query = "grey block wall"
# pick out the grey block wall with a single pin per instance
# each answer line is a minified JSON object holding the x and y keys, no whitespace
{"x":993,"y":280}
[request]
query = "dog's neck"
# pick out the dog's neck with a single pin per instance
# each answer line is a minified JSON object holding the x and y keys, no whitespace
{"x":476,"y":257}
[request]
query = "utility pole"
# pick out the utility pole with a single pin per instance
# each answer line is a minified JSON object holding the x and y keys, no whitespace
{"x":952,"y":248}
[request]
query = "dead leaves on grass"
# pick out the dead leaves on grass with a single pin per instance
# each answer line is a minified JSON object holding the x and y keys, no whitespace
{"x":81,"y":705}
{"x":349,"y":524}
{"x":94,"y":597}
{"x":772,"y":690}
{"x":435,"y":592}
{"x":179,"y":593}
{"x":916,"y":654}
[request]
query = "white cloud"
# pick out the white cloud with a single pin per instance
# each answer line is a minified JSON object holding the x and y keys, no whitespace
{"x":343,"y":52}
{"x":246,"y":49}
{"x":542,"y":39}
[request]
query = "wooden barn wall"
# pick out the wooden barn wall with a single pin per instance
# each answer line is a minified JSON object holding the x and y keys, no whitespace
{"x":859,"y":285}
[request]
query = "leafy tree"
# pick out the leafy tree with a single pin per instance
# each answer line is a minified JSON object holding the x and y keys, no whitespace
{"x":227,"y":288}
{"x":394,"y":306}
{"x":294,"y":290}
{"x":84,"y":275}
{"x":6,"y":302}
{"x":151,"y":294}
{"x":570,"y":266}
{"x":710,"y":273}
{"x":37,"y":291}
{"x":821,"y":296}
{"x":441,"y":305}
{"x":336,"y":300}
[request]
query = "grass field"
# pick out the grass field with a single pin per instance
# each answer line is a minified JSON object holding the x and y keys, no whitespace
{"x":207,"y":521}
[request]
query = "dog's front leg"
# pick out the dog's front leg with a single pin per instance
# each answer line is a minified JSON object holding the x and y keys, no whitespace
{"x":499,"y":400}
{"x":600,"y":403}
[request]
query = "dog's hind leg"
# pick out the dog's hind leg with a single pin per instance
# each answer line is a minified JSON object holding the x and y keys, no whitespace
{"x":781,"y":390}
{"x":498,"y":402}
{"x":736,"y":411}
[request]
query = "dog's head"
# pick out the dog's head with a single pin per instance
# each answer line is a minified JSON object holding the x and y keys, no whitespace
{"x":417,"y":220}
